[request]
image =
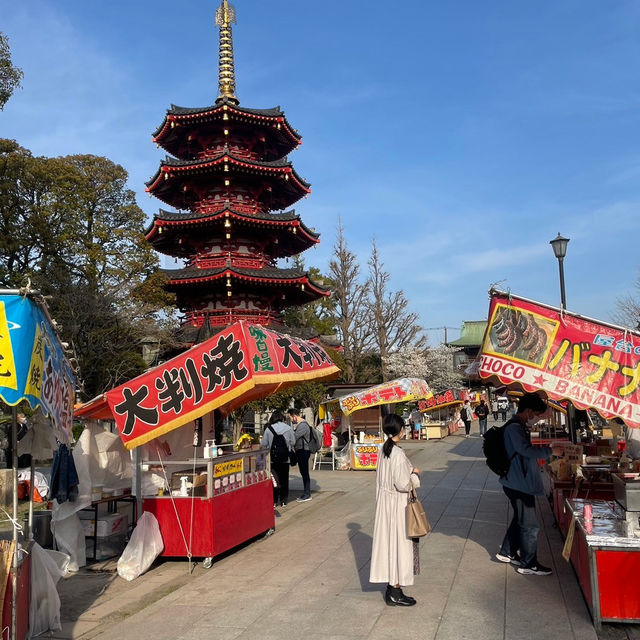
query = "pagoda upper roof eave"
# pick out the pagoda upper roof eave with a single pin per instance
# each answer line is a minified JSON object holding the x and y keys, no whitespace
{"x":271,"y":275}
{"x":171,"y":165}
{"x":178,"y":115}
{"x":285,"y":219}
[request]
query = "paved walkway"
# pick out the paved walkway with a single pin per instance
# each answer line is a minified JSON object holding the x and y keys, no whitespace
{"x":310,"y":579}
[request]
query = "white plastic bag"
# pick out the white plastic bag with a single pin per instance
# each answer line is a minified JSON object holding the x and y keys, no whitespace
{"x":69,"y":537}
{"x":47,"y":567}
{"x":144,"y":547}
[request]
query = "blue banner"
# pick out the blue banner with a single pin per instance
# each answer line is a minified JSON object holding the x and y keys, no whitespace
{"x":33,"y":366}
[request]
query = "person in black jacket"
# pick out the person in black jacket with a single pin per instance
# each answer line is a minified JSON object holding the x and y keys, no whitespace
{"x":482,"y":411}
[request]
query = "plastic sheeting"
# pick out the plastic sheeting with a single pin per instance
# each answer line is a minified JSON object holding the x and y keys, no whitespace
{"x":144,"y":547}
{"x":47,"y":567}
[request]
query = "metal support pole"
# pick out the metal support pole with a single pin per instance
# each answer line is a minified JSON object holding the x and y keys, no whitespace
{"x":14,"y":573}
{"x":563,"y":298}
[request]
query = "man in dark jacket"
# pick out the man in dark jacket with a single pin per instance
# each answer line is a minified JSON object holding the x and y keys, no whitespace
{"x":521,"y":485}
{"x":482,"y":411}
{"x":302,"y":431}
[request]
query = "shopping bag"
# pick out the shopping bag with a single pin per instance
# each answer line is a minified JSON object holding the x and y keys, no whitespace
{"x":417,"y":522}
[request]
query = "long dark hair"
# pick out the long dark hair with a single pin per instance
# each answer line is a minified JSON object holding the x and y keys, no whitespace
{"x":392,"y":425}
{"x":276,"y":416}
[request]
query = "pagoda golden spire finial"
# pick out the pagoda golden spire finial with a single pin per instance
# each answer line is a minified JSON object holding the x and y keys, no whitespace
{"x":225,"y":17}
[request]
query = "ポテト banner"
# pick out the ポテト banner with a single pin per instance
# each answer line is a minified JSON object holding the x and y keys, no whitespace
{"x":567,"y":356}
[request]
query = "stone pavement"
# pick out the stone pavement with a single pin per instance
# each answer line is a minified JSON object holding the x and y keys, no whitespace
{"x":310,"y":578}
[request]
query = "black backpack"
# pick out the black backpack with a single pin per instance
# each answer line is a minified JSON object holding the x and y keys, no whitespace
{"x":279,"y":447}
{"x":495,"y":452}
{"x":464,"y":414}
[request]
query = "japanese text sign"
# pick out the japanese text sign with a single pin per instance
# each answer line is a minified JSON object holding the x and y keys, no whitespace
{"x":592,"y":364}
{"x":33,"y":366}
{"x":237,"y":365}
{"x":400,"y":390}
{"x":365,"y":456}
{"x":439,"y":400}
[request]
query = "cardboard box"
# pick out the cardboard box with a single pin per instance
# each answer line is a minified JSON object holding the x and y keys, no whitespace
{"x":109,"y":524}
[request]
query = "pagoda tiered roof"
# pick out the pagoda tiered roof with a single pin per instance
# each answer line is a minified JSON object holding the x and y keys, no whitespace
{"x":287,"y":186}
{"x":293,"y":236}
{"x":179,"y":122}
{"x":296,"y":283}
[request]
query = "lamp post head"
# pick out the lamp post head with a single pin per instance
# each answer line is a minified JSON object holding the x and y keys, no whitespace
{"x":559,"y":246}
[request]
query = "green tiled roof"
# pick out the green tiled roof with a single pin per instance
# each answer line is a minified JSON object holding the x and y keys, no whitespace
{"x":471,"y":334}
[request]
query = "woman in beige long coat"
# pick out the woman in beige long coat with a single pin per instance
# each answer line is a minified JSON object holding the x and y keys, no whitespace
{"x":392,"y":550}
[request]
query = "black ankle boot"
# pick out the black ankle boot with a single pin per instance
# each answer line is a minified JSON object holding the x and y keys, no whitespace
{"x":394,"y":596}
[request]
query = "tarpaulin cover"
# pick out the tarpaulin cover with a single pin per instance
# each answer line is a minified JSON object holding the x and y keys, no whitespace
{"x":33,"y":366}
{"x":240,"y":364}
{"x":568,"y":357}
{"x":400,"y":390}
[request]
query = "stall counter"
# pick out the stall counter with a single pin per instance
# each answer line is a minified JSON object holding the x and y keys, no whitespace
{"x":606,"y":561}
{"x":236,"y":505}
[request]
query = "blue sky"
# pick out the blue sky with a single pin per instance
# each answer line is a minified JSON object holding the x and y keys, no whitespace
{"x":462,"y":135}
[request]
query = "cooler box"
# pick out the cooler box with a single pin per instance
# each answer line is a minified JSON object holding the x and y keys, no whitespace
{"x":109,"y":524}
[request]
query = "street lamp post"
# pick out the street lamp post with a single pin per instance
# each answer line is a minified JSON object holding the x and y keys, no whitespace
{"x":559,"y":246}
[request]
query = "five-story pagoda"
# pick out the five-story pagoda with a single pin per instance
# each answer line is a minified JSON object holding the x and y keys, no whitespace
{"x":230,"y":179}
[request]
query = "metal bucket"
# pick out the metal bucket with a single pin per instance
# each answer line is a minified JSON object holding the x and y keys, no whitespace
{"x":41,"y":528}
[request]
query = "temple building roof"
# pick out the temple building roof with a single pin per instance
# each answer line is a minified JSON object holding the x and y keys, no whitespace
{"x":180,"y":121}
{"x":167,"y":230}
{"x":192,"y":275}
{"x":168,"y":183}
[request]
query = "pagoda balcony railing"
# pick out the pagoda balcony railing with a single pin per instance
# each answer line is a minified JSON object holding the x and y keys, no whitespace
{"x":231,"y":259}
{"x":238,"y":152}
{"x":225,"y":317}
{"x":240,"y":206}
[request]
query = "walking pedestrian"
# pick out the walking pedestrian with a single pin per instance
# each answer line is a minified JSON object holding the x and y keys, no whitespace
{"x":302,"y":430}
{"x":392,"y":552}
{"x":279,"y":455}
{"x":482,"y":411}
{"x":494,"y":409}
{"x":416,"y":420}
{"x":466,"y":415}
{"x":521,"y":485}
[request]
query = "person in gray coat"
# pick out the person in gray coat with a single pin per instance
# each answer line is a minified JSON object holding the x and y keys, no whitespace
{"x":302,"y":431}
{"x":279,"y":469}
{"x":521,"y":485}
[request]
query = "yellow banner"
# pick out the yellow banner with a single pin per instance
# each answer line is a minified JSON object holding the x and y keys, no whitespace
{"x":36,"y":366}
{"x":226,"y":468}
{"x":8,"y":377}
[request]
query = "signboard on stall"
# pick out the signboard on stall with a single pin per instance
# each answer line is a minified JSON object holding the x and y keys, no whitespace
{"x":365,"y":456}
{"x":400,"y":390}
{"x":568,"y":357}
{"x":241,"y":363}
{"x":227,"y":468}
{"x":33,"y":366}
{"x":439,"y":400}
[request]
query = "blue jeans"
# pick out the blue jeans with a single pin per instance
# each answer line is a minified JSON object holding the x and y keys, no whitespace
{"x":482,"y":423}
{"x":303,"y":465}
{"x":522,"y":534}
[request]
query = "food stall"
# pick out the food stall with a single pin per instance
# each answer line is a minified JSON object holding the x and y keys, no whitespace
{"x":441,"y":413}
{"x":206,"y":498}
{"x":594,"y":366}
{"x":33,"y":368}
{"x":366,"y":410}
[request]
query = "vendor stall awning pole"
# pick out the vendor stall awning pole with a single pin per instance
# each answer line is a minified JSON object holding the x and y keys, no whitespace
{"x":14,"y":577}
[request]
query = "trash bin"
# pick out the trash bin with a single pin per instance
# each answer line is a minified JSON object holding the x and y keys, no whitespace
{"x":41,"y":528}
